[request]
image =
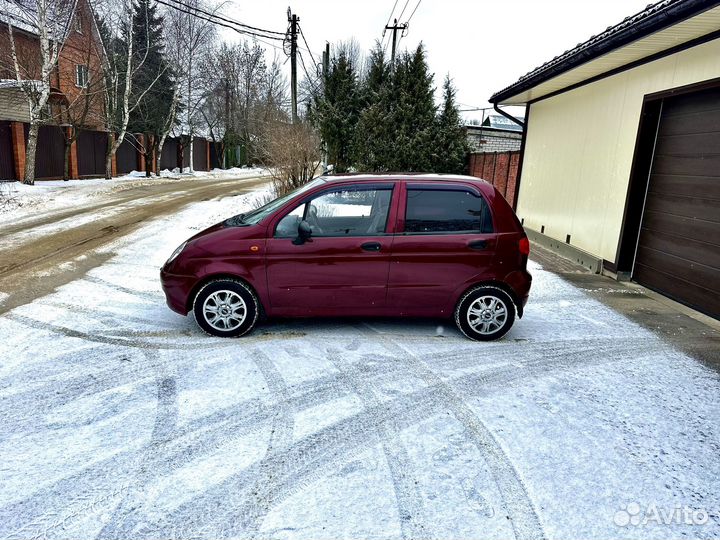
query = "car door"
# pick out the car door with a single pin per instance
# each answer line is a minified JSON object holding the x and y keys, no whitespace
{"x":344,"y":265}
{"x":445,"y":240}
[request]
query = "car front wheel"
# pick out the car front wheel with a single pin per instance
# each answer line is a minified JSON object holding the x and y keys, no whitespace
{"x":485,"y":313}
{"x":226,"y":308}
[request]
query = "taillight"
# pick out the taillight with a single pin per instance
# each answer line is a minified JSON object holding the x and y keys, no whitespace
{"x":524,"y":246}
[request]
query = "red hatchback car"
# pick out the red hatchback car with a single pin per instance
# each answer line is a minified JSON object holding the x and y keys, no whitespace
{"x":360,"y":245}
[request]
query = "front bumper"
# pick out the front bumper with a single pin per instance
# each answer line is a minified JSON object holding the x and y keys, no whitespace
{"x":177,"y":290}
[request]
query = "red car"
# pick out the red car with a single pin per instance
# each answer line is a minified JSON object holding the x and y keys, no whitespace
{"x":361,"y":245}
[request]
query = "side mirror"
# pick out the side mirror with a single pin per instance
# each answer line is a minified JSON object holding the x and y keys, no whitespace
{"x":304,"y":233}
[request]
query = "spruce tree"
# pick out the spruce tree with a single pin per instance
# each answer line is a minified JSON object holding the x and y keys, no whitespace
{"x":148,"y":49}
{"x":337,"y":110}
{"x":370,"y":150}
{"x":412,"y":114}
{"x":451,"y":143}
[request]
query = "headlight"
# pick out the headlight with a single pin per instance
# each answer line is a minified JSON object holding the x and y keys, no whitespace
{"x":177,"y":252}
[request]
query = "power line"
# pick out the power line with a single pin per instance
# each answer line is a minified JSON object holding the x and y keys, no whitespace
{"x":219,"y":20}
{"x":403,"y":9}
{"x":229,"y":20}
{"x":308,"y":46}
{"x":307,"y":74}
{"x":413,"y":11}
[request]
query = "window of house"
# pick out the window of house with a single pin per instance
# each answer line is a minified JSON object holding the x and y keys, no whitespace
{"x":81,"y":76}
{"x":445,"y":211}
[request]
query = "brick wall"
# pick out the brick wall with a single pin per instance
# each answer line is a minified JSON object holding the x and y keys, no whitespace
{"x":498,"y":168}
{"x":486,"y":140}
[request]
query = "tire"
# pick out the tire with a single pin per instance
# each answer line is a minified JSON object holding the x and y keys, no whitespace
{"x":234,"y":303}
{"x":485,"y":313}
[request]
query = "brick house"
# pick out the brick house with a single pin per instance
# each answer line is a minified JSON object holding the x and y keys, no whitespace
{"x":76,"y":98}
{"x":495,"y":134}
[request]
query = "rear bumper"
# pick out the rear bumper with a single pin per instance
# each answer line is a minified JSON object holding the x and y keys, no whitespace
{"x":520,"y":282}
{"x":177,"y":290}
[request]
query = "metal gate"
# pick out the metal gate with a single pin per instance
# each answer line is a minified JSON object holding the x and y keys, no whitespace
{"x":7,"y":163}
{"x":91,"y":149}
{"x":50,"y":155}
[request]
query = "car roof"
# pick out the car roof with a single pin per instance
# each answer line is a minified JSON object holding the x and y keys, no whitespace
{"x":414,"y":177}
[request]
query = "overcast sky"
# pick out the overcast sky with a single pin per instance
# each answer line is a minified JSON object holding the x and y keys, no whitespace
{"x":484,"y":45}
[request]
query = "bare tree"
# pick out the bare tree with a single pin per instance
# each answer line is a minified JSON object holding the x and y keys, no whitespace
{"x":167,"y":127}
{"x":292,"y":153}
{"x":121,"y":63}
{"x":191,"y":38}
{"x":48,"y":20}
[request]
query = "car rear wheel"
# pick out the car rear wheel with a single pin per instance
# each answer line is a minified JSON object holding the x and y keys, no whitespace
{"x":485,"y":313}
{"x":226,"y":308}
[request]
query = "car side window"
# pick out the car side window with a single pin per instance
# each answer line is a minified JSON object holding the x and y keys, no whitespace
{"x":349,"y":212}
{"x":287,"y":227}
{"x":446,"y":211}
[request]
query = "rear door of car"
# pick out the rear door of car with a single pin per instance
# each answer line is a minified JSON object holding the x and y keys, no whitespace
{"x":444,"y":240}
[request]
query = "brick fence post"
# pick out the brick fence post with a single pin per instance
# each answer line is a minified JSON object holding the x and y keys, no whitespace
{"x":17,"y":134}
{"x":140,"y":154}
{"x":73,"y":165}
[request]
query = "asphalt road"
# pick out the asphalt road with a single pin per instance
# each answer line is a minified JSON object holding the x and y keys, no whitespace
{"x":33,"y":265}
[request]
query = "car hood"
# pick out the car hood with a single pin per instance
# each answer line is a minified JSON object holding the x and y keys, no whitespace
{"x":220,"y":236}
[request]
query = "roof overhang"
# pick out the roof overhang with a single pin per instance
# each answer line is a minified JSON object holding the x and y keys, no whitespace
{"x":661,"y":29}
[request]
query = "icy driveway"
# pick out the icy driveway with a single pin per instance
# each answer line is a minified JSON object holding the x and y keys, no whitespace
{"x":118,"y":419}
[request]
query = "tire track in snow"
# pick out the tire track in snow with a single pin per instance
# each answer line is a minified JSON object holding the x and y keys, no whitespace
{"x":218,"y":343}
{"x":411,"y":511}
{"x":226,"y":506}
{"x":281,"y":437}
{"x":153,"y":297}
{"x":521,"y":512}
{"x":126,"y":516}
{"x":205,"y":434}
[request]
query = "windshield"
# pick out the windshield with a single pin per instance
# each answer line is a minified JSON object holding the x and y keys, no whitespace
{"x":256,"y":216}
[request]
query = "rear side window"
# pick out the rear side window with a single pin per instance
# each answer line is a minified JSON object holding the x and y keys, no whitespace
{"x":446,"y":211}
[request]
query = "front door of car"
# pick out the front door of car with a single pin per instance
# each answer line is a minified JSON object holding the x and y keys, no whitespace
{"x":445,"y":240}
{"x":344,"y":264}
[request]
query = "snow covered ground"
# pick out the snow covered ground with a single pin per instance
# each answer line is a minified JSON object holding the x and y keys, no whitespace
{"x":18,"y":200}
{"x":120,"y":419}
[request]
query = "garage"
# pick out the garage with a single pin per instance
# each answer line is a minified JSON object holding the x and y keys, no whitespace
{"x":678,"y":250}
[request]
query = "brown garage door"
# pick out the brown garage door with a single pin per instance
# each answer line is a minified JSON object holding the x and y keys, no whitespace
{"x":679,"y":245}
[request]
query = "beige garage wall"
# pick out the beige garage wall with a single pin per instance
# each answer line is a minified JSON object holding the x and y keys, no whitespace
{"x":580,"y":148}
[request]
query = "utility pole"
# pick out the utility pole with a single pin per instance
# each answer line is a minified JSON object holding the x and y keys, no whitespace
{"x":293,"y":20}
{"x":395,"y":27}
{"x":326,"y":59}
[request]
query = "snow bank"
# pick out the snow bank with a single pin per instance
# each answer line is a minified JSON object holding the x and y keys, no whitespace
{"x":18,"y":201}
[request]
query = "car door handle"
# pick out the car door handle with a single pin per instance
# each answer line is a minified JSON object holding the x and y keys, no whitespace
{"x":371,"y":246}
{"x":478,"y":244}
